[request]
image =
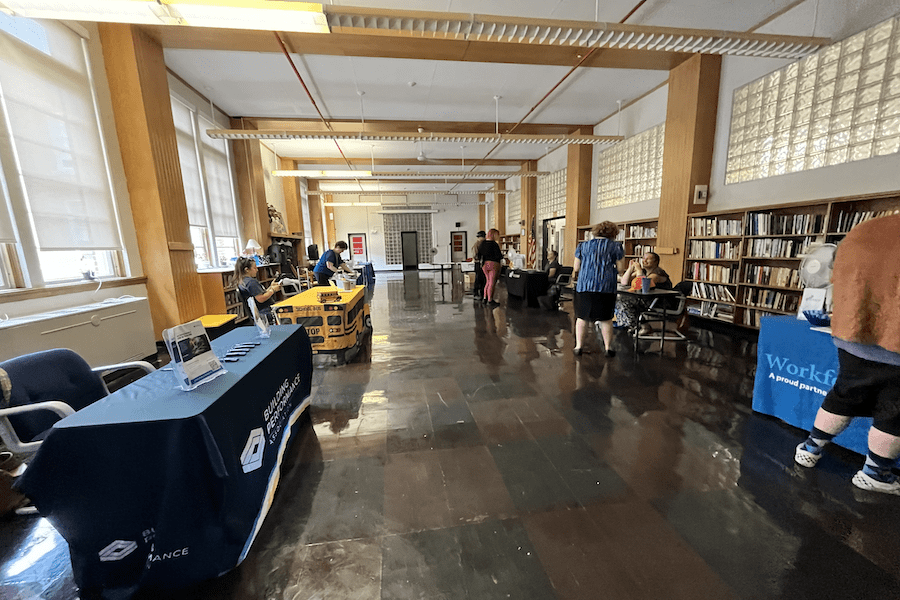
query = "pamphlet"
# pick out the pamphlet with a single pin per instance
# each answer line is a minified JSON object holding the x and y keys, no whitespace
{"x":813,"y":299}
{"x":193,"y":360}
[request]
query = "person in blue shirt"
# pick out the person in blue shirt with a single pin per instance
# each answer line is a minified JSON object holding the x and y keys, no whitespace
{"x":595,"y":261}
{"x":330,"y":263}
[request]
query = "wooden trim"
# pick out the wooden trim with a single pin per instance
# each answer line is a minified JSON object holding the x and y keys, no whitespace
{"x":181,"y":246}
{"x":500,"y":207}
{"x":17,"y":295}
{"x":293,"y":211}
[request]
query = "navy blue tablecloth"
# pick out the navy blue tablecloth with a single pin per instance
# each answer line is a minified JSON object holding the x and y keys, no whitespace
{"x":528,"y":285}
{"x":154,"y":486}
{"x":795,"y":368}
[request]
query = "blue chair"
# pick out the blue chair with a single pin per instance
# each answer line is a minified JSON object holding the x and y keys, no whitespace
{"x":41,"y":388}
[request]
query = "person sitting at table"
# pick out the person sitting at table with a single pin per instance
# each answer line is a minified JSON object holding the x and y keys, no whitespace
{"x":331,"y":263}
{"x":865,"y":325}
{"x":596,"y":288}
{"x":245,"y":271}
{"x":627,"y":308}
{"x":553,"y":266}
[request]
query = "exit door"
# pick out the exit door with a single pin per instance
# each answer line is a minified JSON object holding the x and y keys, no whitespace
{"x":458,"y":243}
{"x":409,"y":244}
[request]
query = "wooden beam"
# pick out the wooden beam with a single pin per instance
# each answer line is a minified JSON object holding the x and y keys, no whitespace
{"x":293,"y":211}
{"x":528,"y":197}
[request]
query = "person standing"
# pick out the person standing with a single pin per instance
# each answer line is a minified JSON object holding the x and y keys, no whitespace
{"x":330,"y":263}
{"x":491,"y":255}
{"x":866,"y":327}
{"x":480,"y":279}
{"x":245,"y":271}
{"x":596,"y":288}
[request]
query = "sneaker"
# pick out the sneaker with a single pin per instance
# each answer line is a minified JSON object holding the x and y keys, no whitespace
{"x":804,"y":457}
{"x":866,"y":482}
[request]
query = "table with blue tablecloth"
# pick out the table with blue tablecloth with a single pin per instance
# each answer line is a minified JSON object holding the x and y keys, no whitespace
{"x":155,"y":486}
{"x":795,"y":367}
{"x":527,"y":284}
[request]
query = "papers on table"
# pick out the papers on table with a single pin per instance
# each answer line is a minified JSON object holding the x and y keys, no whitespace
{"x":193,"y":360}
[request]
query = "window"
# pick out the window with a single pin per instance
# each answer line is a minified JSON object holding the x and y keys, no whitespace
{"x":551,"y":195}
{"x":513,"y":211}
{"x":631,"y":171}
{"x":58,"y":212}
{"x":836,"y":106}
{"x":208,"y":188}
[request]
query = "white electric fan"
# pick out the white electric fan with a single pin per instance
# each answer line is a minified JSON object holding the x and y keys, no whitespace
{"x":816,"y":268}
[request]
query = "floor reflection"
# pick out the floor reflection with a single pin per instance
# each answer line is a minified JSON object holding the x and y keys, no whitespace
{"x":467,"y":453}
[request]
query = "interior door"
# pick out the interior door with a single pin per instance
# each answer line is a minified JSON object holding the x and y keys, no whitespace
{"x":409,"y":244}
{"x":458,"y":245}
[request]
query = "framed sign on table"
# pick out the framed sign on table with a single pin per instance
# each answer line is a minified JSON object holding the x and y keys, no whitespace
{"x":358,"y":248}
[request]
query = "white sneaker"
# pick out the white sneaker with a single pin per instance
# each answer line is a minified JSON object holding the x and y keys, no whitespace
{"x":866,"y":482}
{"x":804,"y":457}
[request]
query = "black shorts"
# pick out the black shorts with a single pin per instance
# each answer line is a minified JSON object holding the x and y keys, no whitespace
{"x":866,"y":389}
{"x":595,"y":306}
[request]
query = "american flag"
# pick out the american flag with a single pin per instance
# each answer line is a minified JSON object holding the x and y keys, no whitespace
{"x":532,"y":246}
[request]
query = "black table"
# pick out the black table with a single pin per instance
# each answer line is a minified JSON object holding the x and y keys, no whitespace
{"x":154,"y":486}
{"x":646,"y":299}
{"x":528,"y":285}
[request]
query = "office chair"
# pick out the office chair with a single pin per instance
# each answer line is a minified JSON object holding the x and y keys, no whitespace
{"x":654,"y":314}
{"x":41,"y":388}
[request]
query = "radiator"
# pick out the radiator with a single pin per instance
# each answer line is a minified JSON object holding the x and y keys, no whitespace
{"x":113,"y":331}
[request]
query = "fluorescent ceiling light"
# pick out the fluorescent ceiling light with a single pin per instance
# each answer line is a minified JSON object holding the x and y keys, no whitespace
{"x":320,"y":174}
{"x":414,"y":136}
{"x":410,"y":193}
{"x":305,"y":17}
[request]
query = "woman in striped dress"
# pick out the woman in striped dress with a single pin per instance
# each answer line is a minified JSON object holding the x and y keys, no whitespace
{"x":595,"y":268}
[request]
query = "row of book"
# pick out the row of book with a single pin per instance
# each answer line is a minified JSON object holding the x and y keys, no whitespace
{"x":639,"y":231}
{"x":753,"y":317}
{"x":701,"y":226}
{"x":848,"y":220}
{"x":773,"y":299}
{"x":712,"y":310}
{"x":710,"y":249}
{"x":640,"y":249}
{"x":711,"y":291}
{"x":777,"y":276}
{"x":709,"y":272}
{"x":778,"y":247}
{"x":766,"y":223}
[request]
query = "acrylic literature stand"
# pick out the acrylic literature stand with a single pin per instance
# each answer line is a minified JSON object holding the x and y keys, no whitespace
{"x":193,"y":361}
{"x":262,"y":323}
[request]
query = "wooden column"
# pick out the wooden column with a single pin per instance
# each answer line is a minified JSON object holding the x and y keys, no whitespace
{"x":578,"y":194}
{"x":251,"y":185}
{"x":500,"y":207}
{"x":687,"y":155}
{"x":143,"y":114}
{"x":529,"y":211}
{"x":482,"y":213}
{"x":293,"y":210}
{"x":329,"y":224}
{"x":315,"y":216}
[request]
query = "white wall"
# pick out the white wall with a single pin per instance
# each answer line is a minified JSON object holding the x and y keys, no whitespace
{"x":348,"y":219}
{"x":274,"y":185}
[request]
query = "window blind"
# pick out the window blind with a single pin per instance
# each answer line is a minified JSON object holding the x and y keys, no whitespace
{"x":190,"y":165}
{"x":46,"y":91}
{"x":7,"y":232}
{"x":218,"y":182}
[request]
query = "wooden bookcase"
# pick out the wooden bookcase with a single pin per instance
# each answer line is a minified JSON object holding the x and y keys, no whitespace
{"x":221,"y":295}
{"x":637,"y":237}
{"x":509,"y":241}
{"x":744,"y":264}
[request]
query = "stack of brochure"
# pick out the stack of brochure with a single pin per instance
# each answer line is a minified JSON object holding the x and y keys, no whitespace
{"x":193,"y":360}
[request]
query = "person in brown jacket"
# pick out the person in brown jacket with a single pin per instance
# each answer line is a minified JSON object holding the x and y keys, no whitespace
{"x":866,"y":329}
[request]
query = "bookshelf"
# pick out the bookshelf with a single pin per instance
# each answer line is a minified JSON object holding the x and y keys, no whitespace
{"x":509,"y":241}
{"x":744,"y":264}
{"x":637,"y":237}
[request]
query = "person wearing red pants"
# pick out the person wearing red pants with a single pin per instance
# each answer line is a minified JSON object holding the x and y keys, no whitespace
{"x":490,"y":254}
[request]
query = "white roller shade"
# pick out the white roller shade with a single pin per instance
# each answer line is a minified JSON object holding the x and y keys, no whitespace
{"x":218,"y":182}
{"x":7,"y":232}
{"x":46,"y":90}
{"x":190,"y":165}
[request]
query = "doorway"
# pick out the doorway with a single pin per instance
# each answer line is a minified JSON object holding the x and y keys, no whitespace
{"x":409,"y":246}
{"x":554,"y":239}
{"x":458,"y":246}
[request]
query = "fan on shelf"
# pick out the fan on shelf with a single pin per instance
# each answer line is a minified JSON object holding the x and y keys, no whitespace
{"x":815,"y":273}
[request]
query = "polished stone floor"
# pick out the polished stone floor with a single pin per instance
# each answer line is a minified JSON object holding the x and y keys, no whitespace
{"x":468,"y":454}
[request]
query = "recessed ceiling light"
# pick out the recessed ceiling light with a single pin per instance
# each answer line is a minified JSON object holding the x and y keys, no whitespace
{"x":411,"y":83}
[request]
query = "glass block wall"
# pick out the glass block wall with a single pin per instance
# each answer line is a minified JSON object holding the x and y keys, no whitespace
{"x":631,"y":171}
{"x":395,"y":224}
{"x":513,"y":211}
{"x":839,"y":105}
{"x":551,"y":195}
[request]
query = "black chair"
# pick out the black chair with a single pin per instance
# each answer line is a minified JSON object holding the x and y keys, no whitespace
{"x":674,"y":309}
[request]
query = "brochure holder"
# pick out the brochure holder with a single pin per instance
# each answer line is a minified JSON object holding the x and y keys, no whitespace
{"x":262,"y":323}
{"x":193,"y":361}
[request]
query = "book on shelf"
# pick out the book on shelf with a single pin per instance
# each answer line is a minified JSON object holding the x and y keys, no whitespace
{"x":752,"y":317}
{"x":778,"y":247}
{"x":776,"y":276}
{"x":641,"y":249}
{"x":710,"y":272}
{"x":711,"y":291}
{"x":712,"y":310}
{"x":641,"y":231}
{"x":711,"y":249}
{"x":713,"y":226}
{"x":847,"y":220}
{"x":773,"y":299}
{"x":767,"y":223}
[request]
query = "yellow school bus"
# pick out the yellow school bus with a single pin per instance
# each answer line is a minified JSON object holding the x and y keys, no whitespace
{"x":334,"y":327}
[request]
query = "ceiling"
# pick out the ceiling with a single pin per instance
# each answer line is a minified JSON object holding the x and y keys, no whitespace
{"x":402,"y":83}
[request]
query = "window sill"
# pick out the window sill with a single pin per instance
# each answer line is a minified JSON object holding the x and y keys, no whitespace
{"x":62,"y":289}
